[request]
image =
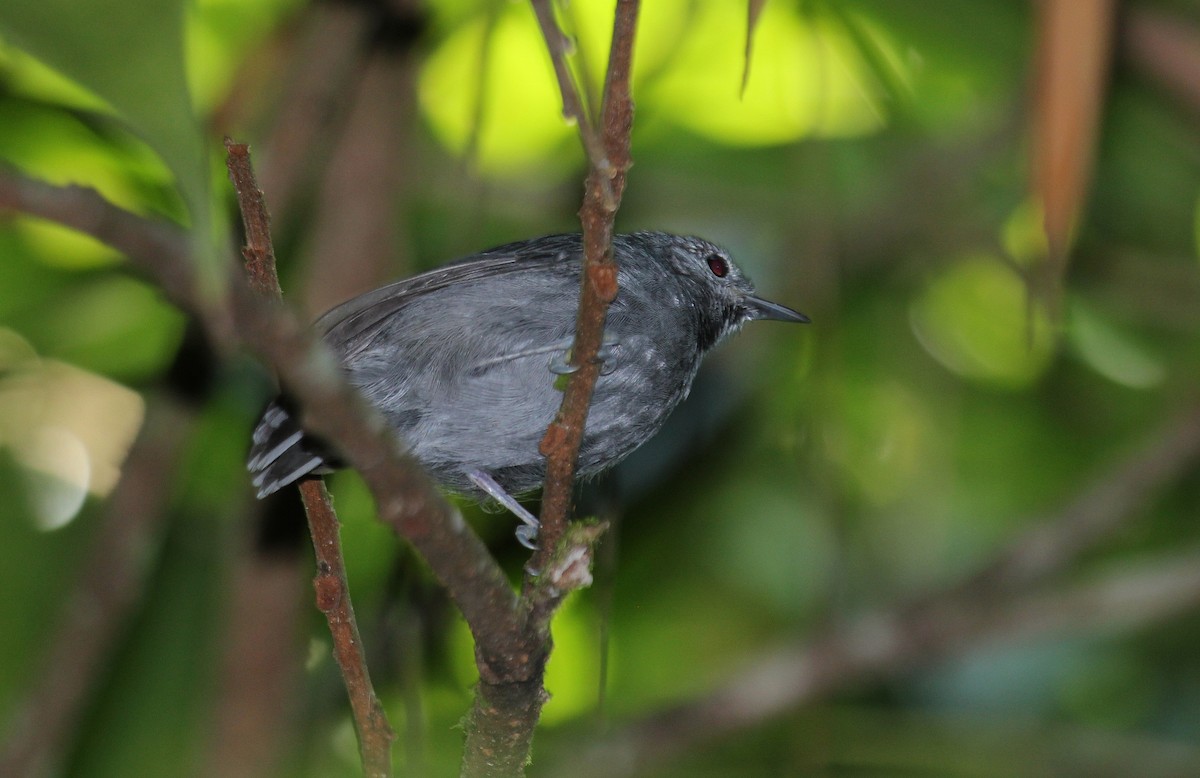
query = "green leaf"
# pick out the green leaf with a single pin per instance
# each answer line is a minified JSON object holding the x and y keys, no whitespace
{"x":131,"y":55}
{"x":977,"y":319}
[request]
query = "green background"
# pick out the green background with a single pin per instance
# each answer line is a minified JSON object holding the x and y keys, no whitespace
{"x":874,"y":174}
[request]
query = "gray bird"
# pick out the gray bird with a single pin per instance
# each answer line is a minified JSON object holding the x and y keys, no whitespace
{"x":462,"y":360}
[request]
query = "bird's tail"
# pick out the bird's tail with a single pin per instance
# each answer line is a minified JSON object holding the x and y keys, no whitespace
{"x":280,"y":453}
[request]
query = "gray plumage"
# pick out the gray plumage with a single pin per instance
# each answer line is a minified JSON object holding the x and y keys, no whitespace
{"x":461,"y":359}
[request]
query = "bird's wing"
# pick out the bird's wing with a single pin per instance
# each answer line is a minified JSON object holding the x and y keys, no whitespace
{"x":362,"y":315}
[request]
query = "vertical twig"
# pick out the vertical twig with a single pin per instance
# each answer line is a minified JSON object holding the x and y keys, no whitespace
{"x":605,"y":186}
{"x":596,"y":146}
{"x":406,"y":499}
{"x":508,"y":705}
{"x":332,"y":592}
{"x":375,"y":734}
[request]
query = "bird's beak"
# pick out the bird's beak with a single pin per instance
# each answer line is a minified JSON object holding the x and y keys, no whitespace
{"x":759,"y":308}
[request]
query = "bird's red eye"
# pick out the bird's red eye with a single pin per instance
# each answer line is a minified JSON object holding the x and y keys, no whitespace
{"x":718,"y":265}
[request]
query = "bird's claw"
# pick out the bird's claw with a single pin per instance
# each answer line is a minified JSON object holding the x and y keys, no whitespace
{"x":527,"y":536}
{"x":527,"y":532}
{"x":561,"y":364}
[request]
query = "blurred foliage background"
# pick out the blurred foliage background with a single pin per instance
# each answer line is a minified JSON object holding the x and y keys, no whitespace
{"x":963,"y":377}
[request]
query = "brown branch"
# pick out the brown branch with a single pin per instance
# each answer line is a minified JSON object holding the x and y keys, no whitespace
{"x":989,"y":605}
{"x":161,"y":250}
{"x":333,"y":600}
{"x":259,"y":251}
{"x":406,"y":498}
{"x":506,"y":710}
{"x":325,"y":59}
{"x":597,"y":148}
{"x":569,"y":569}
{"x":354,"y":240}
{"x":375,"y":734}
{"x":886,"y":645}
{"x":562,"y":440}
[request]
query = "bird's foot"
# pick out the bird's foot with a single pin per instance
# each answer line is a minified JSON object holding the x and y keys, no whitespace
{"x":528,"y":531}
{"x":561,"y":363}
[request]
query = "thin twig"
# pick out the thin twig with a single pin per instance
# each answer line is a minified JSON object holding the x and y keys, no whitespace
{"x":753,"y":11}
{"x":259,"y":251}
{"x":333,"y":599}
{"x":375,"y":734}
{"x":506,"y":710}
{"x":562,"y":440}
{"x":596,"y":147}
{"x":406,"y":498}
{"x":470,"y":154}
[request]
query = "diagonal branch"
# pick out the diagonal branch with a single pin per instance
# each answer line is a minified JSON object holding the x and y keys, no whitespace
{"x":375,"y":734}
{"x":159,"y":249}
{"x":884,"y":645}
{"x":994,"y":603}
{"x":512,"y":643}
{"x":1096,"y":513}
{"x":596,"y":147}
{"x":406,"y":498}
